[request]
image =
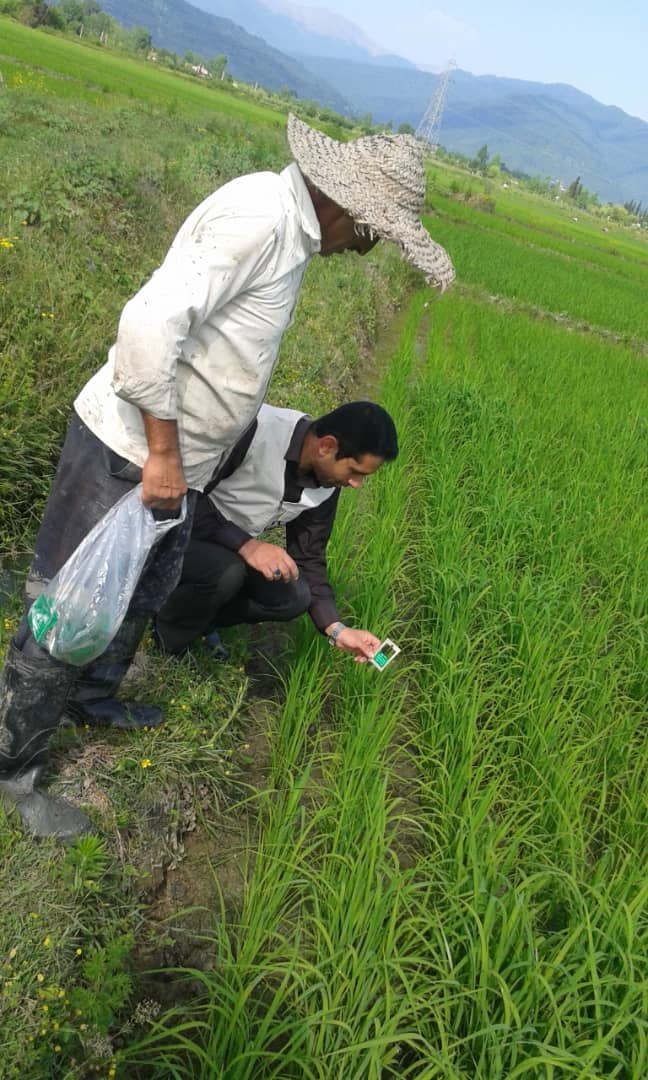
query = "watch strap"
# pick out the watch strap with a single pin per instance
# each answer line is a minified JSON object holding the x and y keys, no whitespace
{"x":338,"y":627}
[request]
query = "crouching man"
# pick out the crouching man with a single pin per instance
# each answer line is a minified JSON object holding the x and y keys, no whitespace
{"x":287,"y":469}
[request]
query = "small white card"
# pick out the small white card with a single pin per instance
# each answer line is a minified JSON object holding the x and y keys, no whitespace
{"x":384,"y":655}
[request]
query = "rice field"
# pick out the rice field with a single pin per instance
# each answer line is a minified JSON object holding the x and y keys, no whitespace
{"x":446,"y":877}
{"x":450,"y":881}
{"x":69,"y":68}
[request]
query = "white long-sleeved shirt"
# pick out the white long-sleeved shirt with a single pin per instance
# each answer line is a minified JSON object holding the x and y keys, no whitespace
{"x":199,"y":342}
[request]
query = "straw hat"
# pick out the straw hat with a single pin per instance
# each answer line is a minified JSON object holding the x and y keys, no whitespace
{"x":380,"y":181}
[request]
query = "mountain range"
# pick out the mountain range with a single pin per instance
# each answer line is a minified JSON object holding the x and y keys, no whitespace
{"x":294,"y":29}
{"x":552,"y":129}
{"x":548,"y":129}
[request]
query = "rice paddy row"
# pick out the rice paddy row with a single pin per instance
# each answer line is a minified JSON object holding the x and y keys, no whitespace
{"x":450,"y":881}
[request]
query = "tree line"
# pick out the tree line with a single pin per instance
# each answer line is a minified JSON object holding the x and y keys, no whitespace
{"x":631,"y":212}
{"x":87,"y":20}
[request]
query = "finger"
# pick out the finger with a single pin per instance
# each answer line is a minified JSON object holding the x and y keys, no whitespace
{"x":367,"y":650}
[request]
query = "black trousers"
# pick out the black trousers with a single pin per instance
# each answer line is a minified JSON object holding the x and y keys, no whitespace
{"x":89,"y":480}
{"x":218,"y":589}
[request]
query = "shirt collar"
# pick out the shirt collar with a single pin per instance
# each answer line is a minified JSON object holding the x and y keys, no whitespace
{"x":292,"y":176}
{"x":294,"y":484}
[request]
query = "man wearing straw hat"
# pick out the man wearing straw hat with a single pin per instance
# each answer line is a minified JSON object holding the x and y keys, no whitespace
{"x":194,"y":353}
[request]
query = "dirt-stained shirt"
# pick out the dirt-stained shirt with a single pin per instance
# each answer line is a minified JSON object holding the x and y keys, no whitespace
{"x":199,"y":342}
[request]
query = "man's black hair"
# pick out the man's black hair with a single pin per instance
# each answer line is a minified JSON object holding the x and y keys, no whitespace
{"x":360,"y":427}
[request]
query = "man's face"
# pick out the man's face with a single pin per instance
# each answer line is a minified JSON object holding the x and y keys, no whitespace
{"x":339,"y":234}
{"x":344,"y":472}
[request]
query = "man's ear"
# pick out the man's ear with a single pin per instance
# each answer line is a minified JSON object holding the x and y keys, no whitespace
{"x":327,"y":446}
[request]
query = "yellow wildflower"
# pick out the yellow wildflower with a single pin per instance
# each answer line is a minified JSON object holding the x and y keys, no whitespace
{"x":145,"y":763}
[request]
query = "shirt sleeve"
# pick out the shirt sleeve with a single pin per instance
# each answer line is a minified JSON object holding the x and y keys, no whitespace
{"x":306,"y":540}
{"x":212,"y":526}
{"x":201,"y":273}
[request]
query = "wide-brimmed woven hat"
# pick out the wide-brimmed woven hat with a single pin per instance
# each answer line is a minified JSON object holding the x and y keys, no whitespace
{"x":380,"y":181}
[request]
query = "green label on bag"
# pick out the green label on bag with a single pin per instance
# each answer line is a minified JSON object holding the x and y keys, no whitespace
{"x":42,"y":617}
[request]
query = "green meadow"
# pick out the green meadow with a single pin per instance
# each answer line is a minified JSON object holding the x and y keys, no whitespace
{"x":435,"y":871}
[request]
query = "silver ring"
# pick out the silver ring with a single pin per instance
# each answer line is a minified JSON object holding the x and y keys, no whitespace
{"x":276,"y":572}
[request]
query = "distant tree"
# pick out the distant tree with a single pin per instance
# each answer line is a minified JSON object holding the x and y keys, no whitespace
{"x":494,"y":166}
{"x":406,"y":129}
{"x":541,"y":185}
{"x":480,"y":161}
{"x":71,"y":11}
{"x":167,"y":58}
{"x":56,"y":20}
{"x":141,"y":38}
{"x":634,"y":208}
{"x":36,"y":14}
{"x":216,"y":66}
{"x":574,"y":189}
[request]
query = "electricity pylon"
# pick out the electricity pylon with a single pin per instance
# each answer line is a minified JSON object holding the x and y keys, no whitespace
{"x":430,"y":126}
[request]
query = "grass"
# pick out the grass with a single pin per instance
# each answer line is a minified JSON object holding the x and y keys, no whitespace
{"x":443,"y":864}
{"x":558,"y":284}
{"x":449,"y":881}
{"x":70,"y":68}
{"x":619,"y":257}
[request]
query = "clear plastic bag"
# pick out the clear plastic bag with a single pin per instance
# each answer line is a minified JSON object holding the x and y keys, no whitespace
{"x":76,"y":617}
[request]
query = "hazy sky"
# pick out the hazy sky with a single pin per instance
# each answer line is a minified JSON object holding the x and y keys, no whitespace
{"x":601,"y":48}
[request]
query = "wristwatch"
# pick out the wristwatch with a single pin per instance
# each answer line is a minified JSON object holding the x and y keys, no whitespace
{"x":338,"y":627}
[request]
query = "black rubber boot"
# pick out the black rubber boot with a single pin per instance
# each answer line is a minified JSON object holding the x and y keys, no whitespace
{"x":93,"y":700}
{"x":33,"y":692}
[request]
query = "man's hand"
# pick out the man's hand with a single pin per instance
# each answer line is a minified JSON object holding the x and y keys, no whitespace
{"x":268,"y":559}
{"x":360,"y":642}
{"x":163,"y":479}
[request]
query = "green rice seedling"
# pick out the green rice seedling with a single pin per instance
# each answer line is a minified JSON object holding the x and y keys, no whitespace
{"x":627,"y":259}
{"x":482,"y":912}
{"x":569,"y":288}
